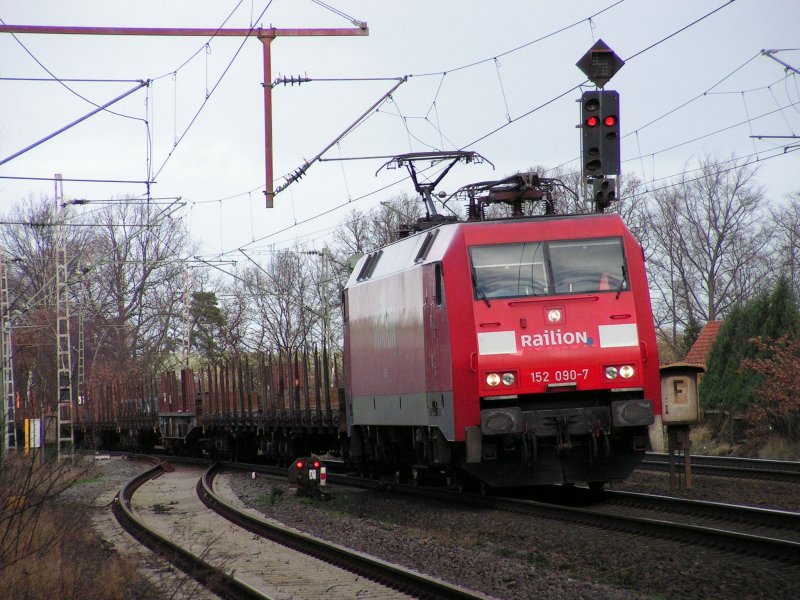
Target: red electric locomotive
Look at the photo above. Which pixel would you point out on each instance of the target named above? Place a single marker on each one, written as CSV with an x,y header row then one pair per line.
x,y
514,352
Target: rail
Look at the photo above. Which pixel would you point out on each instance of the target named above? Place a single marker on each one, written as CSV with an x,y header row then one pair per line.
x,y
213,578
404,580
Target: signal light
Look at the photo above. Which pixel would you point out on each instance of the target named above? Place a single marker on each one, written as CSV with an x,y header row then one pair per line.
x,y
299,464
600,145
316,464
604,192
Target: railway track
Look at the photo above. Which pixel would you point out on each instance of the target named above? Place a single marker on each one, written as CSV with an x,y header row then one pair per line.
x,y
773,534
213,577
725,535
291,560
392,576
764,531
731,466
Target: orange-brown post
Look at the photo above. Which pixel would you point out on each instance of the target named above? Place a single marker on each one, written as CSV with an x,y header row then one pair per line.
x,y
269,192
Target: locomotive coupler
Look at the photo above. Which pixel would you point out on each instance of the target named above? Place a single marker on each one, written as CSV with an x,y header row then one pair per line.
x,y
530,448
599,444
563,440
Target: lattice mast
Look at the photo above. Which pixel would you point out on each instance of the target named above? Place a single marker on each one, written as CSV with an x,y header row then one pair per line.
x,y
8,415
64,411
81,358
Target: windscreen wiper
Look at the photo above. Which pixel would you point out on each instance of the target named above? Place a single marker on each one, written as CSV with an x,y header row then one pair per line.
x,y
478,290
622,282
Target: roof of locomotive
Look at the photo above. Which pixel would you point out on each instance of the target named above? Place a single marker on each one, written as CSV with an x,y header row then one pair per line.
x,y
406,252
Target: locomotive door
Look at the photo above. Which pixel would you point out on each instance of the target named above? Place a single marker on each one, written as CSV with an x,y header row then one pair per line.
x,y
437,351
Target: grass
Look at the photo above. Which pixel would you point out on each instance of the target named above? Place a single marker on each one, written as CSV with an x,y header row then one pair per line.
x,y
86,480
779,448
48,548
275,495
775,448
162,509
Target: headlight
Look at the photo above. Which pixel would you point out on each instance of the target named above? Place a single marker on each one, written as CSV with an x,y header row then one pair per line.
x,y
508,379
611,372
493,379
626,371
554,315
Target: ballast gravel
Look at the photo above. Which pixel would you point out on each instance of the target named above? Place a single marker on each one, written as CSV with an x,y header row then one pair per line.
x,y
501,555
518,557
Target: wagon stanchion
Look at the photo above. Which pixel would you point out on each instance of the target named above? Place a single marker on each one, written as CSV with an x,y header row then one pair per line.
x,y
318,379
307,401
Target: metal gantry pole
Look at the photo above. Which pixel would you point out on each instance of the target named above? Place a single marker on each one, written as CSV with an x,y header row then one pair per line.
x,y
8,415
266,36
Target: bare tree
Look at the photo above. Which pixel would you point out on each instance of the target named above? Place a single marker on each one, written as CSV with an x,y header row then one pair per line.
x,y
361,233
235,307
133,284
707,242
284,299
29,240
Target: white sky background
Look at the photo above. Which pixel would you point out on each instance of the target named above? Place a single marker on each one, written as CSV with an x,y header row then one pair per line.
x,y
218,167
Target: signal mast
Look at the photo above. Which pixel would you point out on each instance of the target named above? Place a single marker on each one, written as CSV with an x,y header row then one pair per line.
x,y
600,152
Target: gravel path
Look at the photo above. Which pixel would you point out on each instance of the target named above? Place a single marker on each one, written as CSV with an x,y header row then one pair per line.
x,y
513,557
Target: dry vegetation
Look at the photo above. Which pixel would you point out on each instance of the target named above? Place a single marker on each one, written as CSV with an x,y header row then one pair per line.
x,y
770,447
48,548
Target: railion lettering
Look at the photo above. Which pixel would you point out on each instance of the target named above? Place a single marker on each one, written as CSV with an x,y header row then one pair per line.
x,y
555,337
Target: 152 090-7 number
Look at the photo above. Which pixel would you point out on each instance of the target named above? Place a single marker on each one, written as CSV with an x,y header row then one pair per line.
x,y
559,375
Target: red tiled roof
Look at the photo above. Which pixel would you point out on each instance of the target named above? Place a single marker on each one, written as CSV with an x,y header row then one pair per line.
x,y
698,352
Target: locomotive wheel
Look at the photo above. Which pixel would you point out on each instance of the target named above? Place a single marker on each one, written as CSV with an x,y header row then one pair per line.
x,y
402,475
465,483
367,470
417,476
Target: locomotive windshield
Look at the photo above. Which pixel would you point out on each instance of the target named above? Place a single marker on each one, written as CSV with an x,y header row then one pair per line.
x,y
543,268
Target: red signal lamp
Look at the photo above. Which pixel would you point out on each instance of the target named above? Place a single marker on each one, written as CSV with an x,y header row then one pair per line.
x,y
610,121
299,464
593,121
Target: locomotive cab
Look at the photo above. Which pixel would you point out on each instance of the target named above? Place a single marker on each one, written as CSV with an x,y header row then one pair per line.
x,y
562,362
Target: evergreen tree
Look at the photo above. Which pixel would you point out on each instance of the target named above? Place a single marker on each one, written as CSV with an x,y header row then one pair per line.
x,y
688,337
770,315
207,321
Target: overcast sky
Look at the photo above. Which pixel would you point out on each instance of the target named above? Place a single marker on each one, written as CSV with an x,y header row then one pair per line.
x,y
490,76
